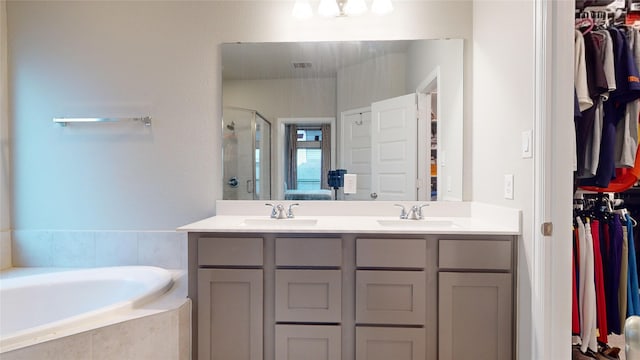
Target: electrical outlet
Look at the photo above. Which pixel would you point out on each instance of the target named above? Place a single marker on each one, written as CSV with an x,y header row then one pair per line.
x,y
508,186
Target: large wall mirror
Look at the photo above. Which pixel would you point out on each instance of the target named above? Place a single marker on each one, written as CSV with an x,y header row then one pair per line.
x,y
389,113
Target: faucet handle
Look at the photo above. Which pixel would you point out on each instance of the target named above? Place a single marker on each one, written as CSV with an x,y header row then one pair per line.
x,y
290,211
419,212
403,212
274,213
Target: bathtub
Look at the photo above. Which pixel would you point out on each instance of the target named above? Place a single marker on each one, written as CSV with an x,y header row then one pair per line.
x,y
39,307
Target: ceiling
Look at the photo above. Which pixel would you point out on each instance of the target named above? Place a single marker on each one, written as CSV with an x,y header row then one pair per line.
x,y
243,61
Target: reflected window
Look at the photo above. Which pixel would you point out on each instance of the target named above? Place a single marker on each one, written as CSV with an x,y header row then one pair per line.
x,y
309,158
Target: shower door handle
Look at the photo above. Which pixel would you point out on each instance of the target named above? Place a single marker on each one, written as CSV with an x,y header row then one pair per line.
x,y
250,186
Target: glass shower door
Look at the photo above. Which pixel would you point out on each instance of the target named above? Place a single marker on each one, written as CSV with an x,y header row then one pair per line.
x,y
246,155
262,159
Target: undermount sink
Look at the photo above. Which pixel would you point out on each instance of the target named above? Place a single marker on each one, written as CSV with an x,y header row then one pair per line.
x,y
279,222
401,223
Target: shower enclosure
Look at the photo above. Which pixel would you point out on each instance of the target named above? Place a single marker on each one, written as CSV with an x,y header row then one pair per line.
x,y
246,155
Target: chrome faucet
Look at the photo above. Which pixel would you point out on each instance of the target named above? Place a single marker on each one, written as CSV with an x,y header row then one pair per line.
x,y
414,213
277,211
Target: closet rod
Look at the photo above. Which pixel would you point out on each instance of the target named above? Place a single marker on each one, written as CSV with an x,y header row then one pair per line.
x,y
146,120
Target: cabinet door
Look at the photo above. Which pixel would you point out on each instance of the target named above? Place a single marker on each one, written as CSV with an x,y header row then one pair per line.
x,y
306,342
475,316
390,343
230,314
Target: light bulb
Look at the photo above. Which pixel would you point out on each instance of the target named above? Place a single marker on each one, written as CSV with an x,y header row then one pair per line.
x,y
328,8
355,7
381,7
302,9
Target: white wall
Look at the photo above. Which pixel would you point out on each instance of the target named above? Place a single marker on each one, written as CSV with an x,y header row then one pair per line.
x,y
373,80
280,98
503,107
5,180
161,59
447,56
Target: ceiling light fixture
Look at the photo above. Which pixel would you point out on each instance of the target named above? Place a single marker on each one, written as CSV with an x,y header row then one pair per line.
x,y
332,8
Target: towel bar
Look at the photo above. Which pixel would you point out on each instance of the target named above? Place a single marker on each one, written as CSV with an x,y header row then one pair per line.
x,y
64,121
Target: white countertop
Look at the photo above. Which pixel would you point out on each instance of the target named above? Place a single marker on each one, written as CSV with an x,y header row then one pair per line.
x,y
316,217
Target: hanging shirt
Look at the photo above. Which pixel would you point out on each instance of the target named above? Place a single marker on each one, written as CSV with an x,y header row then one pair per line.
x,y
627,127
577,115
612,280
588,306
592,150
607,61
601,305
627,78
592,156
580,73
627,89
597,86
575,315
633,298
622,287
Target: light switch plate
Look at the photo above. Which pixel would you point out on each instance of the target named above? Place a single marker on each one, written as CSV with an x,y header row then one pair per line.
x,y
350,183
508,186
527,144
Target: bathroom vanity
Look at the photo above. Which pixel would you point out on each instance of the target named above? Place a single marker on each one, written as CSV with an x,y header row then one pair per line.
x,y
330,285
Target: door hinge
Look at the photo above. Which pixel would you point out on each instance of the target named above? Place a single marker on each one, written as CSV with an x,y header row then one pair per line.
x,y
547,229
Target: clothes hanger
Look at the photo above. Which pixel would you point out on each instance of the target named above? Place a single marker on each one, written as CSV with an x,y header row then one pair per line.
x,y
585,22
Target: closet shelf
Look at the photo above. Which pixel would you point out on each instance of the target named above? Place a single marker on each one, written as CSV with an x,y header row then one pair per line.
x,y
146,120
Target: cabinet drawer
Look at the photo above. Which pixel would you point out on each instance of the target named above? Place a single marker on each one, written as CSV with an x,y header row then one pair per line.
x,y
391,253
390,297
309,252
230,251
304,342
474,254
308,296
390,343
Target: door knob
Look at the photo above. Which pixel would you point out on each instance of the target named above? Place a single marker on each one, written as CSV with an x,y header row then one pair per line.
x,y
374,195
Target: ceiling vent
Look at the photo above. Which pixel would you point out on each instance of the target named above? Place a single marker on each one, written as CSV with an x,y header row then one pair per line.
x,y
302,64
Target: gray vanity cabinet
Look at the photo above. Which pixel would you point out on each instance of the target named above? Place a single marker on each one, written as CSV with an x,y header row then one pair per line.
x,y
230,298
230,302
390,298
475,297
308,298
352,296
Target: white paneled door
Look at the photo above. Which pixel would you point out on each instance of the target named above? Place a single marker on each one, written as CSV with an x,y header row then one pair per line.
x,y
394,141
356,149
